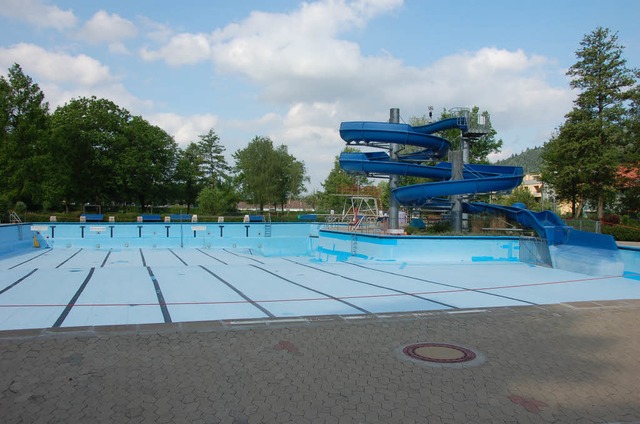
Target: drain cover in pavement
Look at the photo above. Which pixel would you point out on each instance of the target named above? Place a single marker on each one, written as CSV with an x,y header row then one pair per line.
x,y
439,352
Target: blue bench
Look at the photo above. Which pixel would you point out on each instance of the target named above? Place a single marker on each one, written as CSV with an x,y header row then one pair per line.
x,y
180,218
308,217
151,218
92,216
256,218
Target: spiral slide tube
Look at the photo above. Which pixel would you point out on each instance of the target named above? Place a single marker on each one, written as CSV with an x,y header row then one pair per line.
x,y
477,178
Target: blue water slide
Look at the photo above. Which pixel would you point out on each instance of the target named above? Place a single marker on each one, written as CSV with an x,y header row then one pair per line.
x,y
477,178
569,249
381,132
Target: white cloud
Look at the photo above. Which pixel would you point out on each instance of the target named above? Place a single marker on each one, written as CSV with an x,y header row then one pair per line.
x,y
266,45
111,29
182,49
184,129
62,76
56,67
155,31
38,13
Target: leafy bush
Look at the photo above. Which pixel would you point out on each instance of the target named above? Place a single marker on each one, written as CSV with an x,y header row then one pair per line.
x,y
439,227
621,232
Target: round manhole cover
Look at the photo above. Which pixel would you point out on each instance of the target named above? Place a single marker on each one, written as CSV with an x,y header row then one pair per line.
x,y
439,353
442,354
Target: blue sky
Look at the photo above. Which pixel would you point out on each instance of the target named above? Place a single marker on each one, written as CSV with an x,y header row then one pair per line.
x,y
294,70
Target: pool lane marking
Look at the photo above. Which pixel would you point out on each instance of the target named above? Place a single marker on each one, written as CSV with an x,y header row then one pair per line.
x,y
309,299
69,258
240,293
401,292
30,259
461,288
244,257
211,256
176,255
144,262
105,259
73,300
341,300
163,304
17,281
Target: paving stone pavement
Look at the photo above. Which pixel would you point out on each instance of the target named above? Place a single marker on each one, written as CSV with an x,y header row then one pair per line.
x,y
575,363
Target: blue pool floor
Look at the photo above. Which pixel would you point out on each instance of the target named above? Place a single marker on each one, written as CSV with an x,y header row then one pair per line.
x,y
69,287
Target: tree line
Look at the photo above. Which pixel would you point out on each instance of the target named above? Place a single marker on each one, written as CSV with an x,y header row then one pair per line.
x,y
92,151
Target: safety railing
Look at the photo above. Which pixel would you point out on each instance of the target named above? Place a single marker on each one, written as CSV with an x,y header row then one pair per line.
x,y
535,251
365,225
14,218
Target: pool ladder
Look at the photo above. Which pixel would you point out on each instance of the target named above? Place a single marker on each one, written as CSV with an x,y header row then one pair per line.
x,y
267,227
354,244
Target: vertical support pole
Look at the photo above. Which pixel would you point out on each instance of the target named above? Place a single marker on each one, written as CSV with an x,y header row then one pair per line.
x,y
466,150
394,207
456,174
466,155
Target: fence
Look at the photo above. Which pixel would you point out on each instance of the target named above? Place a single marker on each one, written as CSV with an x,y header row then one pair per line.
x,y
585,225
535,251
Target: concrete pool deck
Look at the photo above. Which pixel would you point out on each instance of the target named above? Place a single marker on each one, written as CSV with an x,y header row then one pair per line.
x,y
568,363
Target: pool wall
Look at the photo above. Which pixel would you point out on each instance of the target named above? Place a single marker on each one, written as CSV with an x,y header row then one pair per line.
x,y
14,238
266,239
631,258
341,246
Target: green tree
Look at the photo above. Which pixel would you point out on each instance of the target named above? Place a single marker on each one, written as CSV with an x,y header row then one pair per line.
x,y
520,195
88,137
23,134
256,168
582,161
188,177
479,149
146,163
290,178
338,182
628,183
268,175
214,165
217,200
100,153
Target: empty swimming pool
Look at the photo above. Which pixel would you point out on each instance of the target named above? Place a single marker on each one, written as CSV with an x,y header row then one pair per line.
x,y
111,274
